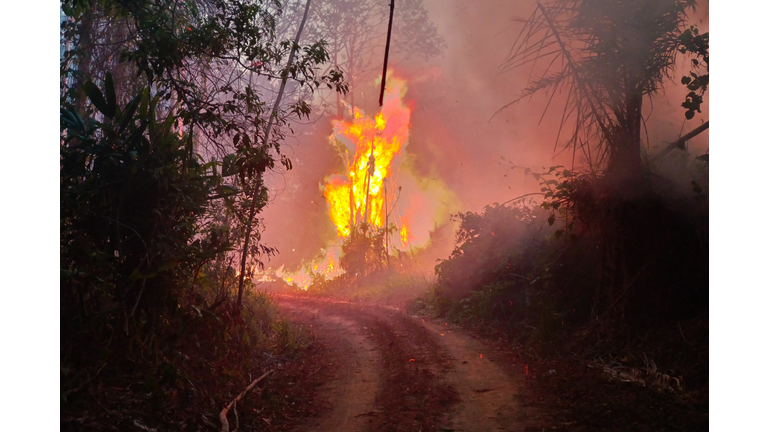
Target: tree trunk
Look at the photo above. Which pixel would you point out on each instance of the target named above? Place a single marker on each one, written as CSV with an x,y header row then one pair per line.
x,y
259,175
626,164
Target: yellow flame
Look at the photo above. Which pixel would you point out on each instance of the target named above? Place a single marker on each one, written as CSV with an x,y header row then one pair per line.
x,y
370,147
326,266
376,142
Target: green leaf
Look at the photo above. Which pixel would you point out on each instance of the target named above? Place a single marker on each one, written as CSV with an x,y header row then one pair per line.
x,y
138,274
97,99
165,129
551,219
229,166
167,265
224,191
127,115
109,93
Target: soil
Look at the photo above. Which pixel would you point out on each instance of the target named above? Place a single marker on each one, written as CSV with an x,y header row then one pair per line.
x,y
388,371
378,368
351,388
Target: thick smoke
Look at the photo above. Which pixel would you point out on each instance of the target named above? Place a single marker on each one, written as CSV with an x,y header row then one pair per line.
x,y
460,135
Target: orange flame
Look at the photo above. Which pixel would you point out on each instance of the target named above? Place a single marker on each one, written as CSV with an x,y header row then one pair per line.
x,y
371,148
359,195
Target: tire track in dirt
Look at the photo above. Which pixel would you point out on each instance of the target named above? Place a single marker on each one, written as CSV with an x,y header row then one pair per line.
x,y
353,389
489,396
404,373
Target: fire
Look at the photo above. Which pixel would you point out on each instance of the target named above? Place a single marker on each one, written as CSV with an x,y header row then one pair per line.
x,y
376,187
359,195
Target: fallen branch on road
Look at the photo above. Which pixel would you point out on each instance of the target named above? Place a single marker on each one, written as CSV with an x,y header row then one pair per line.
x,y
223,415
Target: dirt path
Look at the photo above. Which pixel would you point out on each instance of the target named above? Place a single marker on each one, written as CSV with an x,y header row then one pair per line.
x,y
401,373
488,395
353,388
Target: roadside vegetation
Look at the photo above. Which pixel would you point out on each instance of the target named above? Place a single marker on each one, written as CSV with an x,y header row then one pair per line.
x,y
604,273
168,123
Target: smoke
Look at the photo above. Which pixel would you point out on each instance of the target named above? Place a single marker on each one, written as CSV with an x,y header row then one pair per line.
x,y
459,132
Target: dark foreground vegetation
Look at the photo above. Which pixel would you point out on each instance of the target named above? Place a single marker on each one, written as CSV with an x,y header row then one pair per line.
x,y
166,133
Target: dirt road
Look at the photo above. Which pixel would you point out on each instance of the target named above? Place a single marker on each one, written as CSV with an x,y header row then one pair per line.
x,y
396,372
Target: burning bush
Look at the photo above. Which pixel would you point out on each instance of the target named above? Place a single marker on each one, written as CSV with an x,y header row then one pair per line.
x,y
364,251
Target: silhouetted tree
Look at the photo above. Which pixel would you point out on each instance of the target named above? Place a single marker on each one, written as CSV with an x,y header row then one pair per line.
x,y
607,56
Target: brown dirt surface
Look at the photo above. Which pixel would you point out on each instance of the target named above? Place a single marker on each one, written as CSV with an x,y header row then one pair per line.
x,y
490,395
352,380
567,395
395,372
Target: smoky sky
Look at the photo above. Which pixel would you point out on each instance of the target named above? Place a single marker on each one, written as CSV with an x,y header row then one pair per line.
x,y
459,133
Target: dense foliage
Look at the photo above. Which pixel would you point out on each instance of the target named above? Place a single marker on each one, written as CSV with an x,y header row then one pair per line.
x,y
163,118
550,274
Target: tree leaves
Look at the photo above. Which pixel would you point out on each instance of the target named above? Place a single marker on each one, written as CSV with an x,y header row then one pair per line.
x,y
111,97
691,42
105,102
551,219
96,97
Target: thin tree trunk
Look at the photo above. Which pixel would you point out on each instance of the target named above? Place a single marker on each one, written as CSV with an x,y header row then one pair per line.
x,y
625,162
260,174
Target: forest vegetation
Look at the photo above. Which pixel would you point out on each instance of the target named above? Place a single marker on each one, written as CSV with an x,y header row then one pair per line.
x,y
172,113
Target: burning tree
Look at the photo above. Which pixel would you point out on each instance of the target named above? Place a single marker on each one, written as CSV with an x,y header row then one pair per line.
x,y
376,189
364,250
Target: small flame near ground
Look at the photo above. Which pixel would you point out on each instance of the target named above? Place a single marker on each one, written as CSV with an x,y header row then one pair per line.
x,y
378,186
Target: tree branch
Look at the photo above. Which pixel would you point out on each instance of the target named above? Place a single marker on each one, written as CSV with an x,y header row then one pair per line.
x,y
680,143
223,414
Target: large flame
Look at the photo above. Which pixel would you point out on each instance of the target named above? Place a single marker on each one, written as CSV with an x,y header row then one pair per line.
x,y
358,196
375,188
